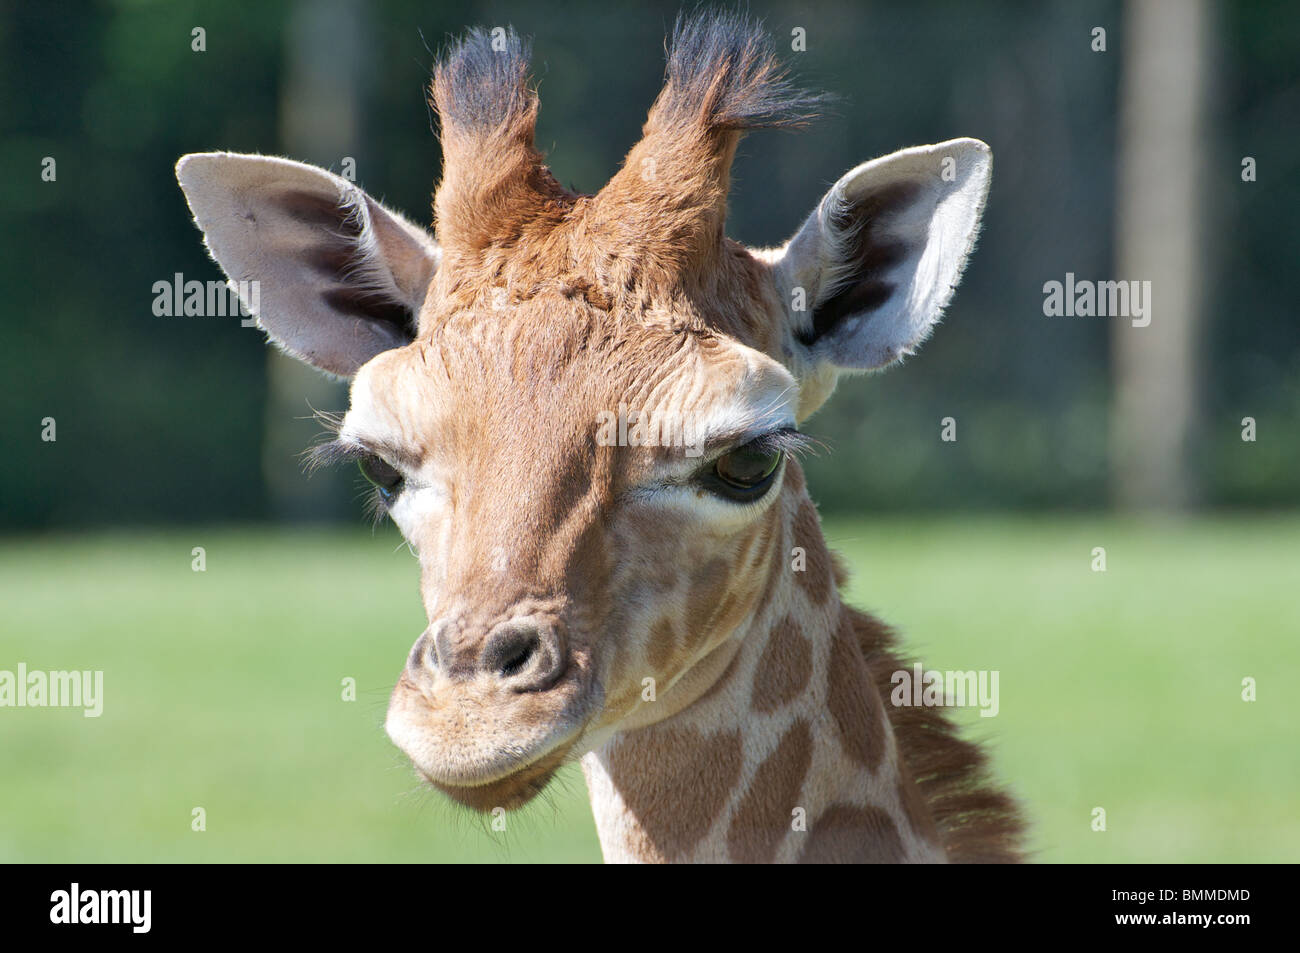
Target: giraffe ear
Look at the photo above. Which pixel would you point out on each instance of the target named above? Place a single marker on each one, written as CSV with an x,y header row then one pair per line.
x,y
339,278
868,275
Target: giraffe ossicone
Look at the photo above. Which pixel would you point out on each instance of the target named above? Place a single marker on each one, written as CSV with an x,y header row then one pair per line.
x,y
667,611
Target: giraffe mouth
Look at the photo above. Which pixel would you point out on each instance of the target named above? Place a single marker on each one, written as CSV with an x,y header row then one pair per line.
x,y
485,749
510,792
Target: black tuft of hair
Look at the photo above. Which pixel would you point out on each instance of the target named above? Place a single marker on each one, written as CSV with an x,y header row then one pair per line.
x,y
481,79
723,69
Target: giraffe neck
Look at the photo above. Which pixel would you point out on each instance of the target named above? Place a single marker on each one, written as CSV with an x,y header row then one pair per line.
x,y
777,746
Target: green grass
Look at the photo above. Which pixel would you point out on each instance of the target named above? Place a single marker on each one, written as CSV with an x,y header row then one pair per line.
x,y
1119,690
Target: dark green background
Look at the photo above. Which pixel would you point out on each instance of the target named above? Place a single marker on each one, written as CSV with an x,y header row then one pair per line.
x,y
162,419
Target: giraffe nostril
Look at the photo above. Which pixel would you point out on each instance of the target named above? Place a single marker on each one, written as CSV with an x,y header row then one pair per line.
x,y
424,654
509,650
525,655
519,659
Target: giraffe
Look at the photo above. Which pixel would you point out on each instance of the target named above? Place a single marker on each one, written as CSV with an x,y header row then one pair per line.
x,y
655,601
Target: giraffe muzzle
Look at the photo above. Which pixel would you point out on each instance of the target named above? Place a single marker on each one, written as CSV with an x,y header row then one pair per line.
x,y
487,717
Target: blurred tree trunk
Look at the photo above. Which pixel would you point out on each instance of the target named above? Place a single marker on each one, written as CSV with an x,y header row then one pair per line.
x,y
1160,228
319,123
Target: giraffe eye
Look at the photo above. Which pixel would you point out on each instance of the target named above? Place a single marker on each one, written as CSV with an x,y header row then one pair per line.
x,y
385,477
746,473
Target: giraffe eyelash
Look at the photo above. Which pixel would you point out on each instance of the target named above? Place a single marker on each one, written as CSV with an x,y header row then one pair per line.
x,y
374,505
787,440
330,420
346,450
331,453
337,451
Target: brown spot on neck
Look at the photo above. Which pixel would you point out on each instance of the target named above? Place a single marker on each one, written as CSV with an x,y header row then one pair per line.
x,y
675,783
848,834
784,667
854,703
817,577
764,816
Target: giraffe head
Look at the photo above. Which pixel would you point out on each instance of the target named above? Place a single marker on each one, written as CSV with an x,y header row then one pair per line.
x,y
579,409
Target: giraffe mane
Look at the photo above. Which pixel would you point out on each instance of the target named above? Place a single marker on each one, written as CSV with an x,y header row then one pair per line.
x,y
977,821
